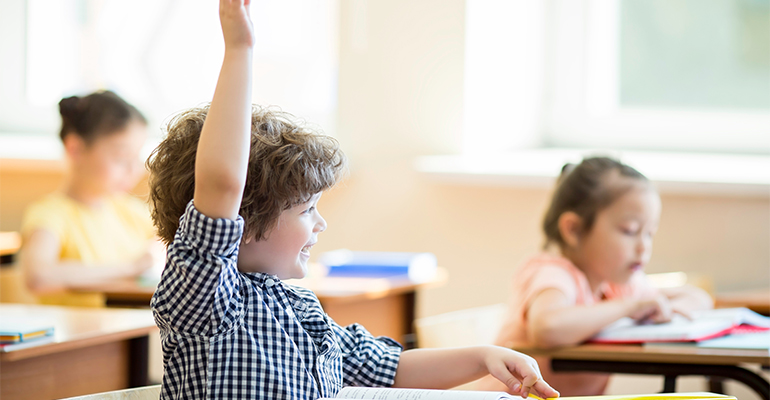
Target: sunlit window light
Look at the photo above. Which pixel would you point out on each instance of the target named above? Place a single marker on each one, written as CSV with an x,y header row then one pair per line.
x,y
164,56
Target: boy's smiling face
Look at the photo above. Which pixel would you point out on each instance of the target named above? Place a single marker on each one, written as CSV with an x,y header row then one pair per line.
x,y
286,250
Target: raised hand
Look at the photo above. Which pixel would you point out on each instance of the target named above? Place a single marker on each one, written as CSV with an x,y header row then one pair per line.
x,y
236,23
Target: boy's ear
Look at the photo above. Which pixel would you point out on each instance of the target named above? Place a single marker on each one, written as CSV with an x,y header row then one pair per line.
x,y
570,228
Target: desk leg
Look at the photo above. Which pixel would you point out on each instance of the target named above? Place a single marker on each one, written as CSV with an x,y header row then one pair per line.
x,y
749,378
669,384
139,362
716,385
409,338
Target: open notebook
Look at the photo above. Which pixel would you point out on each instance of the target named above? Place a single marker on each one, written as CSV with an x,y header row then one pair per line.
x,y
706,324
365,393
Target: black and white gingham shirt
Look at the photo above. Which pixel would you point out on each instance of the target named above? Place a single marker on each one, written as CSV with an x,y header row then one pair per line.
x,y
233,335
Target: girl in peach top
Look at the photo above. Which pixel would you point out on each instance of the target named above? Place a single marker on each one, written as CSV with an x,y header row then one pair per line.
x,y
601,220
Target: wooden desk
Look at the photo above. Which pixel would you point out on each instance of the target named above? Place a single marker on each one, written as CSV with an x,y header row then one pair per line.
x,y
94,350
124,293
670,362
757,300
385,306
10,243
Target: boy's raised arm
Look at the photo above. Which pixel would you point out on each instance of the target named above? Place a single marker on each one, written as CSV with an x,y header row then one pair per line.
x,y
223,149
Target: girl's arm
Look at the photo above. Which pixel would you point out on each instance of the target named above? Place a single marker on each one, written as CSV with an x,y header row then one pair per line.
x,y
223,149
554,321
46,272
447,368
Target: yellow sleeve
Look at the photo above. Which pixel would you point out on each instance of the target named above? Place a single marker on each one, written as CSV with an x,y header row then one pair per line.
x,y
48,214
140,215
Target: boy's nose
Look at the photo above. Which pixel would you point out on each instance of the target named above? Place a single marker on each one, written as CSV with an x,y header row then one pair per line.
x,y
320,226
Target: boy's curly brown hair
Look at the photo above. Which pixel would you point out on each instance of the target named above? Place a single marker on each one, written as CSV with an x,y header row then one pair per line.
x,y
289,162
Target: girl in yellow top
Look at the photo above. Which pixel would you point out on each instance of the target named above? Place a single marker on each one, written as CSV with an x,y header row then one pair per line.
x,y
92,230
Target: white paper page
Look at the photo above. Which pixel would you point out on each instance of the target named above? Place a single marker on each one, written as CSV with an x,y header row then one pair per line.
x,y
418,394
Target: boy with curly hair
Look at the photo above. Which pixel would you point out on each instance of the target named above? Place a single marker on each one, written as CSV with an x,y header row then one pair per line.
x,y
235,189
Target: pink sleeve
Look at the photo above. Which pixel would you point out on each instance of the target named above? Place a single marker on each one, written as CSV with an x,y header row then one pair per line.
x,y
529,282
550,277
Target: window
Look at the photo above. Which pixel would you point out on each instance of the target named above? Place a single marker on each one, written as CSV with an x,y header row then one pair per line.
x,y
661,75
685,75
163,56
679,89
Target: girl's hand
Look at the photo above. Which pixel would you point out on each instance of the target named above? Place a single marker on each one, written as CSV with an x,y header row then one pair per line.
x,y
655,309
683,311
236,23
519,372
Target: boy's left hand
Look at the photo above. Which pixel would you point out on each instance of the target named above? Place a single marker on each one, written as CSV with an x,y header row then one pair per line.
x,y
519,372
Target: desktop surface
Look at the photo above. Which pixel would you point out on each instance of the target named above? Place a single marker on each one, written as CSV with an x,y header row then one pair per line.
x,y
93,350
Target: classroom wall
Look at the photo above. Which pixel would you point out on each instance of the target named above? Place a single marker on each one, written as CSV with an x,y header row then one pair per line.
x,y
20,187
400,96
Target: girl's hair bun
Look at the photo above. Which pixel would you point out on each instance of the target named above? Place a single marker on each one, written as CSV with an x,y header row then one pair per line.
x,y
68,108
99,113
565,170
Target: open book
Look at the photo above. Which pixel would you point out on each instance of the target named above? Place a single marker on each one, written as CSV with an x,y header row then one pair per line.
x,y
705,324
365,393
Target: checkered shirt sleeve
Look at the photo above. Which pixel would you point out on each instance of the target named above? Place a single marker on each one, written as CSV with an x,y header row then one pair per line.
x,y
198,298
366,360
199,292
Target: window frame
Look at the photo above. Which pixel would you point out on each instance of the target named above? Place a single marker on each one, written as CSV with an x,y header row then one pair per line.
x,y
584,110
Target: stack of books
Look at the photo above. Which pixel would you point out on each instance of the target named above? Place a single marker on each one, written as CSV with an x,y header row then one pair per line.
x,y
418,267
18,333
